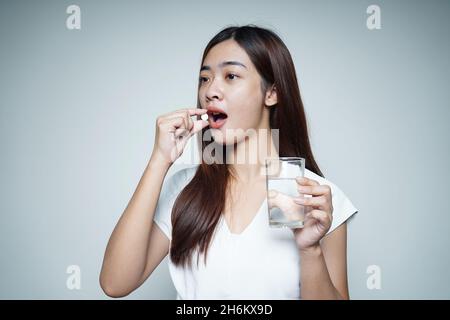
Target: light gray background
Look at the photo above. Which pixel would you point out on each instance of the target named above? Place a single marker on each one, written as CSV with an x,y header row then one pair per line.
x,y
78,111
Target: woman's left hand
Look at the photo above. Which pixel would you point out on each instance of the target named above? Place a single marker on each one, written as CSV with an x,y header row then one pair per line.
x,y
318,213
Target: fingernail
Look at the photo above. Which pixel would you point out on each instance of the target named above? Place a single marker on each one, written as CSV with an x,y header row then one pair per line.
x,y
301,200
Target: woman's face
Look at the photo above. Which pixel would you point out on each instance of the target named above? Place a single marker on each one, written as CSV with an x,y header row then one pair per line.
x,y
230,82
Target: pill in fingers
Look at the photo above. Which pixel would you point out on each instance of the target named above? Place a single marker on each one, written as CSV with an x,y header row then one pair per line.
x,y
204,117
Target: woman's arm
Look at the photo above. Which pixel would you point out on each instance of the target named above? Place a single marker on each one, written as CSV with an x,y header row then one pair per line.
x,y
324,267
323,256
136,246
125,265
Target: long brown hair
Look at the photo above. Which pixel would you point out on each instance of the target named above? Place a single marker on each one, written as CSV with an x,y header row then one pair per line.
x,y
194,215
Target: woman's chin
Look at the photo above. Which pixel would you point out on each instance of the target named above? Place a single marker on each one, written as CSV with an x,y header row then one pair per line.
x,y
223,141
228,140
230,136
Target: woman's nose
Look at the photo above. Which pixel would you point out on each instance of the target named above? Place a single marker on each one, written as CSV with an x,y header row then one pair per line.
x,y
214,91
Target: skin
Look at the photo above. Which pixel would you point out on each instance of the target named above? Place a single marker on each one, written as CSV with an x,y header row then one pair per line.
x,y
323,257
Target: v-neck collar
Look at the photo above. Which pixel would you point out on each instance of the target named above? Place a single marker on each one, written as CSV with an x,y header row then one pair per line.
x,y
224,221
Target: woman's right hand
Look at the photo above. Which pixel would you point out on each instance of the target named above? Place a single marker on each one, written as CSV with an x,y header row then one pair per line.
x,y
173,130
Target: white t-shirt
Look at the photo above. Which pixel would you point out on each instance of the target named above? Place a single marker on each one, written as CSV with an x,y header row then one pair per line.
x,y
260,263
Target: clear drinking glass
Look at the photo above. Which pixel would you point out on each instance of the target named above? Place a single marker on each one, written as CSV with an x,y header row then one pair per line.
x,y
281,189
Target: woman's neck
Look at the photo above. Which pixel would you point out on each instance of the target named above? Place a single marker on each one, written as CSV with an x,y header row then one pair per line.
x,y
247,158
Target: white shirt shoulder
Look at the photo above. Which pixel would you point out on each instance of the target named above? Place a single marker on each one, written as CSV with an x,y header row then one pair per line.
x,y
343,208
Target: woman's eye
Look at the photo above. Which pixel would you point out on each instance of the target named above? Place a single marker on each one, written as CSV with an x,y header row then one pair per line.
x,y
231,76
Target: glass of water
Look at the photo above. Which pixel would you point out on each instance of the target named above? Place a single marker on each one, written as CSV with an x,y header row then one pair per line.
x,y
281,189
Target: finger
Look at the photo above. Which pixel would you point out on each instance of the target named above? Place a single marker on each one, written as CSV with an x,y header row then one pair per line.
x,y
174,123
189,120
194,111
180,133
278,199
320,202
314,190
306,181
321,216
190,123
308,214
198,125
178,114
197,111
272,199
188,113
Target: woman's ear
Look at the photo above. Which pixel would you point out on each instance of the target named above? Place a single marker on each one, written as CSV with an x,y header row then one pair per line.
x,y
271,96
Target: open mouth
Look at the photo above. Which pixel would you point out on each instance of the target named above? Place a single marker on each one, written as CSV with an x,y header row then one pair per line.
x,y
217,118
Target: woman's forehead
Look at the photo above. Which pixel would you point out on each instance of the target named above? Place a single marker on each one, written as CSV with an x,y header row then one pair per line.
x,y
227,53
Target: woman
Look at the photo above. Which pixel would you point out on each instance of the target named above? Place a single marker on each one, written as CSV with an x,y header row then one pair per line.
x,y
212,218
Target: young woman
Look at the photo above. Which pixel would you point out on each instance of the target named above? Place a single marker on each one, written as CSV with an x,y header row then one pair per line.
x,y
212,218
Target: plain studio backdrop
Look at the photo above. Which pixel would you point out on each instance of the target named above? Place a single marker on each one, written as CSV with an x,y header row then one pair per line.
x,y
78,110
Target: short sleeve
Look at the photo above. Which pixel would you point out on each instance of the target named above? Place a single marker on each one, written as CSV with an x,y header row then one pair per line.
x,y
343,208
172,186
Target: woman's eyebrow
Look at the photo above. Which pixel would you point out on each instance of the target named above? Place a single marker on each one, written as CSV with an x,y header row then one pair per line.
x,y
223,64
